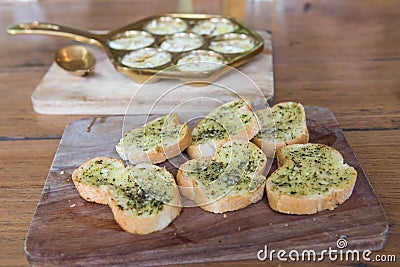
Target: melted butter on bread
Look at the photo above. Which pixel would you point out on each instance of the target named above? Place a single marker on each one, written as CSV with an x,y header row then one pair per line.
x,y
281,125
229,122
156,141
143,198
235,172
310,178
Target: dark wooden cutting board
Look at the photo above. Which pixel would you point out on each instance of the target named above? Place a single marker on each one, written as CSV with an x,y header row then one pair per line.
x,y
67,230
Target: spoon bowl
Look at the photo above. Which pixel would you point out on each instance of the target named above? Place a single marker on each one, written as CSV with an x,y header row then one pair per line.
x,y
75,59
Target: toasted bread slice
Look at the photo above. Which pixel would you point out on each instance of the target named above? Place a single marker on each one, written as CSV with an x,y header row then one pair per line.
x,y
143,199
310,178
230,180
229,122
156,141
283,124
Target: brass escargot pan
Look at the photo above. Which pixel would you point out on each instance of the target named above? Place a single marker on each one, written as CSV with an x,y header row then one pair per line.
x,y
153,37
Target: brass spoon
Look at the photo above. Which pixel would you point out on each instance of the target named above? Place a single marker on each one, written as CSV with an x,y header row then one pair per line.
x,y
75,59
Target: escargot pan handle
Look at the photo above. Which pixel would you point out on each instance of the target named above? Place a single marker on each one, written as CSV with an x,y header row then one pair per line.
x,y
56,30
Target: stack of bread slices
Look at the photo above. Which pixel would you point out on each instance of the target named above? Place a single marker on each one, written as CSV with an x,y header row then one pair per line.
x,y
228,150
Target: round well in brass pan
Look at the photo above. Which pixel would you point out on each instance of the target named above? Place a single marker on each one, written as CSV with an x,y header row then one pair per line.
x,y
232,43
165,25
146,58
131,40
214,27
200,61
181,42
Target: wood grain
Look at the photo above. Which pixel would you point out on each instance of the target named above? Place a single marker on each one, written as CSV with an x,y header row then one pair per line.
x,y
379,108
63,220
320,31
22,180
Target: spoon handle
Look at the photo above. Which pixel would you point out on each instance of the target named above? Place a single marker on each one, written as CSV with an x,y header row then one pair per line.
x,y
56,30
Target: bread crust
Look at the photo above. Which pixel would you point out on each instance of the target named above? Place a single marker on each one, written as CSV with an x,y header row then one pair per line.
x,y
185,184
227,203
160,154
131,223
269,147
309,204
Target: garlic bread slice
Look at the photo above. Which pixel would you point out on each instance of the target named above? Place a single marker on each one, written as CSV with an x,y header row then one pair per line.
x,y
156,141
231,121
283,124
310,178
143,199
231,180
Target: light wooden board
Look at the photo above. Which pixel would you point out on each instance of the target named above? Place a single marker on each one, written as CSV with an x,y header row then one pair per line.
x,y
67,230
109,92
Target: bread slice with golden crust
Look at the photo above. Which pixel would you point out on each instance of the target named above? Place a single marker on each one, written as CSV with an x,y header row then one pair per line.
x,y
283,124
228,122
229,181
310,178
156,141
143,199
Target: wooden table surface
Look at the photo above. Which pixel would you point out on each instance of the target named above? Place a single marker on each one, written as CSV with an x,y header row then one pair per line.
x,y
343,55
